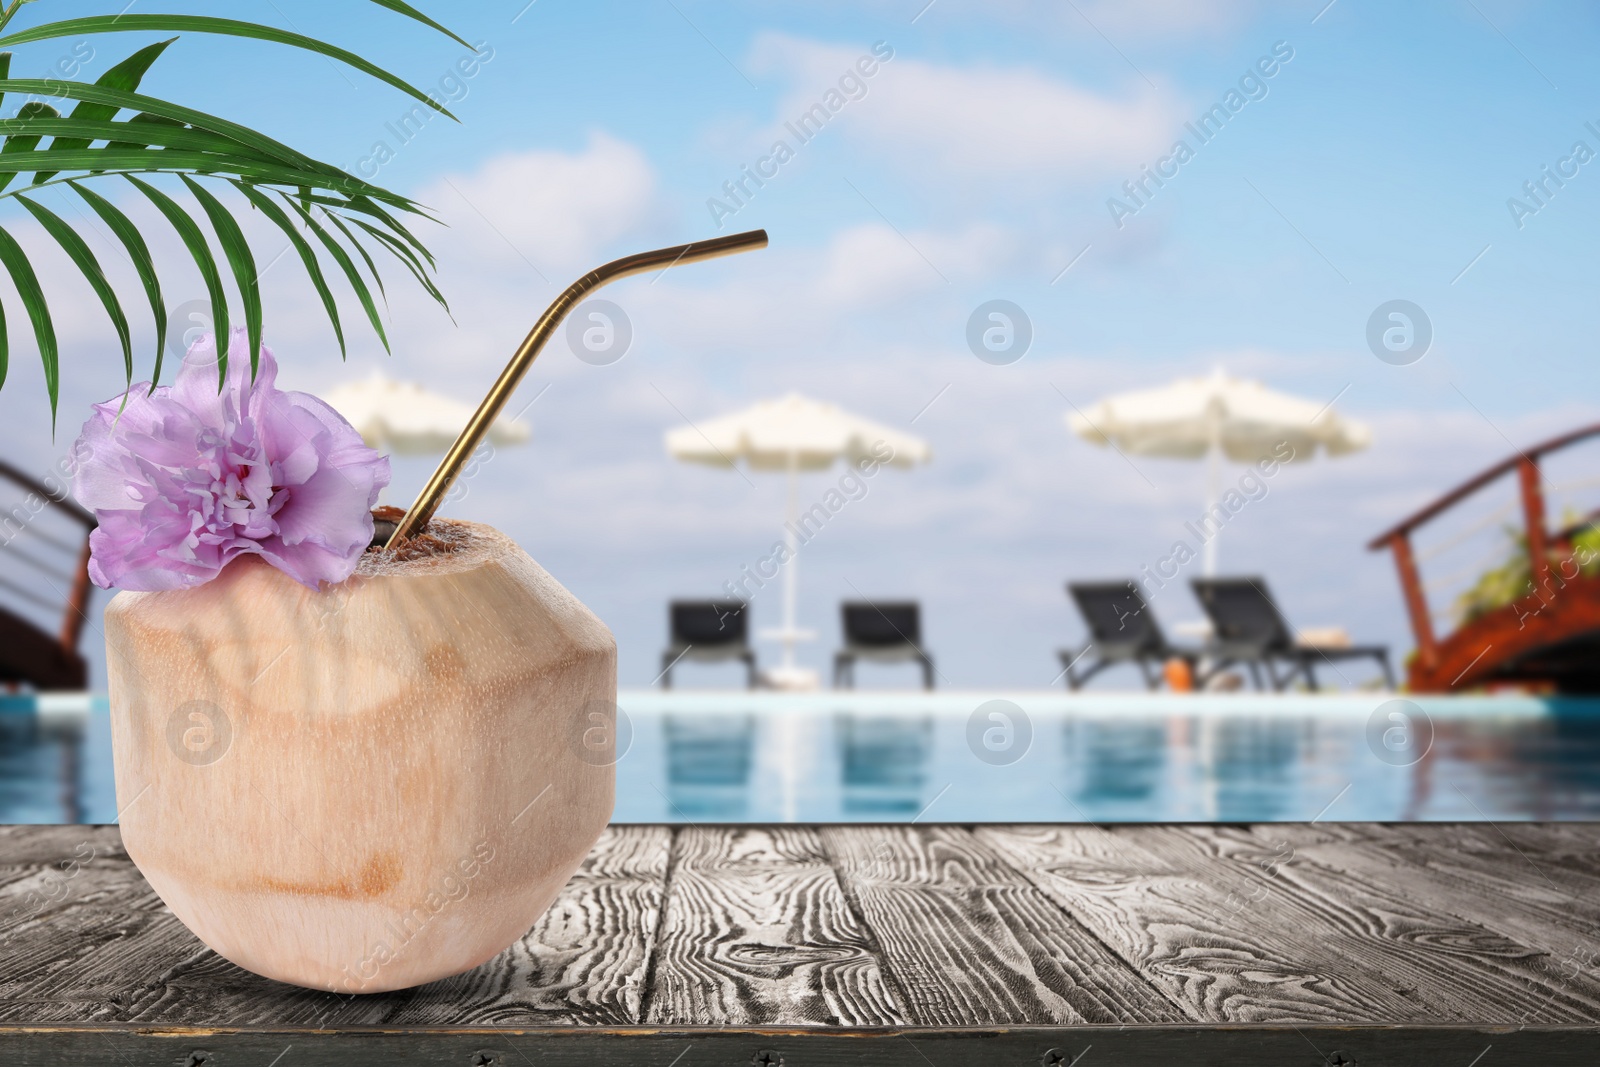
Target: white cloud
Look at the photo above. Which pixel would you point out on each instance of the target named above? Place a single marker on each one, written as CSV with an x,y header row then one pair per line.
x,y
983,121
555,209
1139,20
782,299
1129,22
865,275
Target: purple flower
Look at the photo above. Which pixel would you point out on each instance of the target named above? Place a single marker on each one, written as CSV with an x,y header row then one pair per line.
x,y
186,479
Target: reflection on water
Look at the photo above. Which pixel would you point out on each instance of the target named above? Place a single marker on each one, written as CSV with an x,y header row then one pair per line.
x,y
883,764
41,770
1250,764
1118,762
708,765
860,762
1570,748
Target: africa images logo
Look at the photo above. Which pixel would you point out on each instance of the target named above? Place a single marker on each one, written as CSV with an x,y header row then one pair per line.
x,y
199,733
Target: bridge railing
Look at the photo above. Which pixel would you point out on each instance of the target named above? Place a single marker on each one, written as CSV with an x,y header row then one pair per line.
x,y
1398,538
47,563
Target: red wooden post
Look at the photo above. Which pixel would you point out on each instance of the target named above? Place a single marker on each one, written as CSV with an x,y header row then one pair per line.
x,y
1533,518
1416,603
77,603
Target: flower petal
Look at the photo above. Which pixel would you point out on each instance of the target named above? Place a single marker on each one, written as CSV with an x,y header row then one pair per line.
x,y
187,478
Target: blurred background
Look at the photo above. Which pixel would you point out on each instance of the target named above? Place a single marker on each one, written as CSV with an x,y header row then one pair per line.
x,y
1337,158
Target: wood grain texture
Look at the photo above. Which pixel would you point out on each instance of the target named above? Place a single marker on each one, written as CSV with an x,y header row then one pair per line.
x,y
1536,897
969,941
1453,969
109,951
85,939
584,963
1545,901
1239,944
757,931
1254,939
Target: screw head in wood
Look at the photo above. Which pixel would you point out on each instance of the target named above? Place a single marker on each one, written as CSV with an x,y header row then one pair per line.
x,y
767,1058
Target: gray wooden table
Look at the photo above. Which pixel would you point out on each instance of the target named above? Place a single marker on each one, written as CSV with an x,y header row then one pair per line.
x,y
1449,945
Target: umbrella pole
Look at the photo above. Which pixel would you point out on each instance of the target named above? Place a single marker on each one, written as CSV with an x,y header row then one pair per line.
x,y
1213,496
791,568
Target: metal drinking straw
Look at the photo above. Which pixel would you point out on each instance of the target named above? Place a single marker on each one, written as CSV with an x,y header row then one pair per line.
x,y
433,493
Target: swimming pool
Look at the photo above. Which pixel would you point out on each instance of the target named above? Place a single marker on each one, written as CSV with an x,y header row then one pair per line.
x,y
1006,757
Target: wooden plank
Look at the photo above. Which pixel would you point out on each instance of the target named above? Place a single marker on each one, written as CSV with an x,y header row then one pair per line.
x,y
1535,891
1282,943
109,950
970,942
1551,868
1133,1046
1457,969
757,932
1229,947
1565,854
83,936
1525,894
585,961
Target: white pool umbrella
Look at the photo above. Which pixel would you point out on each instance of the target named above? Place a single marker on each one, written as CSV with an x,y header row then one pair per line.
x,y
793,434
408,420
1215,417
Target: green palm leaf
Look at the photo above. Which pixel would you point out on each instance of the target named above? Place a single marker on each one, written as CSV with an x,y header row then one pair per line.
x,y
44,331
139,252
70,133
308,258
162,137
195,242
167,161
407,257
130,101
237,249
126,76
23,142
411,12
360,250
358,203
341,257
5,347
365,205
220,27
84,258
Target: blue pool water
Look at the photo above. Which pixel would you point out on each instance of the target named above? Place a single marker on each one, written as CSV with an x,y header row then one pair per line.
x,y
889,757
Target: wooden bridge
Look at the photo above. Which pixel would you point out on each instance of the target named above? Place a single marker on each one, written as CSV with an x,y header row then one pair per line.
x,y
30,654
1549,635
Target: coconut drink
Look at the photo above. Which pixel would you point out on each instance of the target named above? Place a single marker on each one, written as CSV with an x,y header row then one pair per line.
x,y
367,787
353,753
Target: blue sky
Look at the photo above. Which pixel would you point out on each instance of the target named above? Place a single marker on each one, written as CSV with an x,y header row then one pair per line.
x,y
977,165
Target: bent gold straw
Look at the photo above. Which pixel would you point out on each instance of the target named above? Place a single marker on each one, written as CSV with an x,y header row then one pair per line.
x,y
433,493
